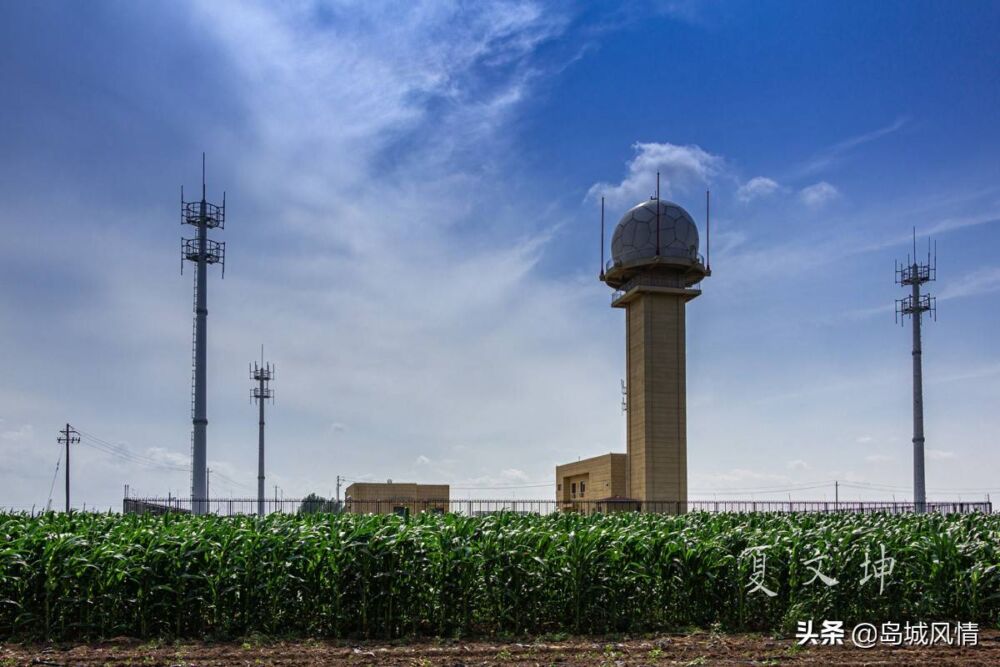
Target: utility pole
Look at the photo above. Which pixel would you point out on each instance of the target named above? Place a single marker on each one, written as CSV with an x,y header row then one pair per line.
x,y
70,436
208,479
836,495
262,375
203,251
913,275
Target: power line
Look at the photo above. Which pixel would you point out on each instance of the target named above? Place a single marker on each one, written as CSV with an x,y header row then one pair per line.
x,y
52,488
887,487
230,480
130,456
735,492
769,489
123,453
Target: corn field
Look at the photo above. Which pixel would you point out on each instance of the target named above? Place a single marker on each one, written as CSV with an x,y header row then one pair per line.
x,y
323,575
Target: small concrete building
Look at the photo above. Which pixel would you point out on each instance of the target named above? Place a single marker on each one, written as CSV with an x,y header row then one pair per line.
x,y
594,479
396,498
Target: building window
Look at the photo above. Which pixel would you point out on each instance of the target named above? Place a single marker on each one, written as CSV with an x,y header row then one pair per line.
x,y
583,487
573,487
558,487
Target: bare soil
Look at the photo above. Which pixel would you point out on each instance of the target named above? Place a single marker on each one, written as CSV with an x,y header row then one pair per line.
x,y
698,648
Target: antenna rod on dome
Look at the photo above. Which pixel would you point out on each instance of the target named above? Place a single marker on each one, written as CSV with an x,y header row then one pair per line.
x,y
657,214
708,231
602,238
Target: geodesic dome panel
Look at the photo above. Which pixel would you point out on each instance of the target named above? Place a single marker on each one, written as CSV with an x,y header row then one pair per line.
x,y
635,236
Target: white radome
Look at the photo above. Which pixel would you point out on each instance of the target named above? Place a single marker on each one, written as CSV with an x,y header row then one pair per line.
x,y
635,236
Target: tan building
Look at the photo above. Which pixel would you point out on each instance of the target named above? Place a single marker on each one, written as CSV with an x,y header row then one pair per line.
x,y
396,498
654,270
580,484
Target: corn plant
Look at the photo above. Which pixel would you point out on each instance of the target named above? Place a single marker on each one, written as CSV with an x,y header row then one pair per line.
x,y
328,575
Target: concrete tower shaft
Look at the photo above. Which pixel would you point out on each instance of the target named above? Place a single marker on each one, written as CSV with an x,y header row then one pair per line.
x,y
656,388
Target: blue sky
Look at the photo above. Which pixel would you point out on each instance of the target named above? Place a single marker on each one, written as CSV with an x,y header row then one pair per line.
x,y
413,208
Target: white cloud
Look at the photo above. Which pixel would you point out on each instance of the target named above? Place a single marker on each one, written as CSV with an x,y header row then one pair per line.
x,y
818,194
878,458
161,455
982,281
20,434
864,439
681,168
514,475
759,186
939,454
422,460
797,464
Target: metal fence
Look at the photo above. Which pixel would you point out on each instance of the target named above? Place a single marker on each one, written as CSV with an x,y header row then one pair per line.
x,y
406,506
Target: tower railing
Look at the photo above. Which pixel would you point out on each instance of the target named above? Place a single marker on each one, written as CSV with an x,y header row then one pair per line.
x,y
611,263
215,251
215,216
650,280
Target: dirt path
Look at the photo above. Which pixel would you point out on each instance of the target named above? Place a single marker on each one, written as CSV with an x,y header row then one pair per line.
x,y
691,649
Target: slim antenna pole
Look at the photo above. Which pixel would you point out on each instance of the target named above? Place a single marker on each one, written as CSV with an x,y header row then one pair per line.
x,y
203,252
708,232
657,214
602,238
262,375
914,305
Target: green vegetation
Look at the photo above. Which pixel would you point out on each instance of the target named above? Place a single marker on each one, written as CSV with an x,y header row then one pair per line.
x,y
316,504
325,575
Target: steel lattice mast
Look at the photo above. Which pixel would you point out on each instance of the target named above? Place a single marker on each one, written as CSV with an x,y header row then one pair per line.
x,y
202,251
914,274
262,375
